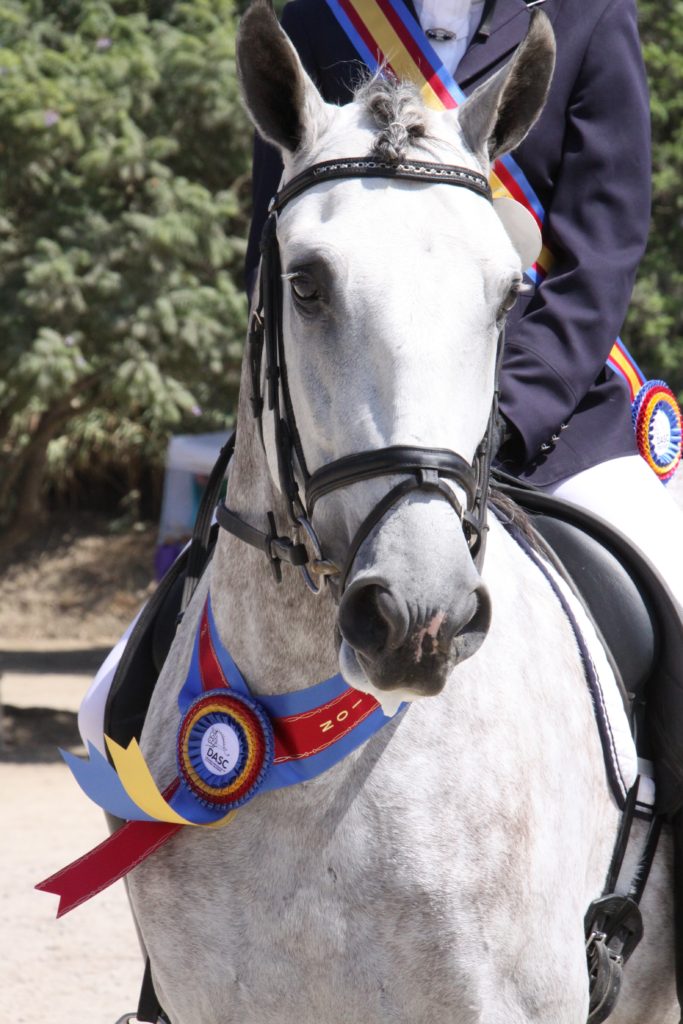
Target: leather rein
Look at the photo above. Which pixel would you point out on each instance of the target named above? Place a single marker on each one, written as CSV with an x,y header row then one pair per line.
x,y
426,470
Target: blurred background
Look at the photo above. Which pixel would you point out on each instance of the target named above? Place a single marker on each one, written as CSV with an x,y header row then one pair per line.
x,y
124,208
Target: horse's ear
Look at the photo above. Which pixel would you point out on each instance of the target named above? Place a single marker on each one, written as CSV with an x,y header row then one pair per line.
x,y
281,99
497,116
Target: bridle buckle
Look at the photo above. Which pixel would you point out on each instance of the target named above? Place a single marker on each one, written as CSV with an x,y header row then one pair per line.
x,y
320,567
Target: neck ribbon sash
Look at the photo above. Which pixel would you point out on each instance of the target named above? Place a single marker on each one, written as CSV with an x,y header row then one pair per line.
x,y
229,747
385,35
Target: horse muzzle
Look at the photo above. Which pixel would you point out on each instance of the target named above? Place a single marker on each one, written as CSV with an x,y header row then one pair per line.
x,y
393,646
405,622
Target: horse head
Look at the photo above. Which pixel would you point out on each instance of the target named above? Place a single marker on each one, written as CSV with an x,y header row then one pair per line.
x,y
393,294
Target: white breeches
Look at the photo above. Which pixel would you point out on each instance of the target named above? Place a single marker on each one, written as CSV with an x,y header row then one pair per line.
x,y
628,495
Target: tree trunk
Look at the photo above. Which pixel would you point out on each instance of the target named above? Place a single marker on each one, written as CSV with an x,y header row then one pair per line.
x,y
23,479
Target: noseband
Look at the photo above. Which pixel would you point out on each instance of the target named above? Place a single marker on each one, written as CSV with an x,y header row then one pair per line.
x,y
426,470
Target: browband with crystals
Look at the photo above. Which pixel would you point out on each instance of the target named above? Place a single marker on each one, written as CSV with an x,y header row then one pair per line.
x,y
367,167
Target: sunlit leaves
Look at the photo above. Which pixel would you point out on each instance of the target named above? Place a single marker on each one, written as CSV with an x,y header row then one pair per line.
x,y
123,162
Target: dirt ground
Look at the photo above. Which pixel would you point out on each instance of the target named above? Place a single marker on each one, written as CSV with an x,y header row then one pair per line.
x,y
74,586
63,602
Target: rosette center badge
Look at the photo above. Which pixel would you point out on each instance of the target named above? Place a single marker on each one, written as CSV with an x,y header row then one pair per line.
x,y
225,748
220,748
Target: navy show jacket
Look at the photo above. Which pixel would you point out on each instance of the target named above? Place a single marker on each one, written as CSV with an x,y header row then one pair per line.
x,y
588,159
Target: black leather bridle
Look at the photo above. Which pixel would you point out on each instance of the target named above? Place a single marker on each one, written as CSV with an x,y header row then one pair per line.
x,y
425,469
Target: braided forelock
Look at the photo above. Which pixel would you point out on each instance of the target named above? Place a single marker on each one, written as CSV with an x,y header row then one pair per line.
x,y
398,111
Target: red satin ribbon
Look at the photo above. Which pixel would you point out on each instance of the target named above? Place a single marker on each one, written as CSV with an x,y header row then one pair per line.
x,y
106,863
299,735
115,856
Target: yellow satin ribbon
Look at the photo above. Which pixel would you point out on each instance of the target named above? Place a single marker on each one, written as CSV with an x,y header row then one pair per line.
x,y
138,783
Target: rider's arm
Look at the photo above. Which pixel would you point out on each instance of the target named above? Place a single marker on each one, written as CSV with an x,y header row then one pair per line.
x,y
597,217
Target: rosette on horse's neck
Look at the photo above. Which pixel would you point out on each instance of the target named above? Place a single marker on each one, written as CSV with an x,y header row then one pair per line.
x,y
367,355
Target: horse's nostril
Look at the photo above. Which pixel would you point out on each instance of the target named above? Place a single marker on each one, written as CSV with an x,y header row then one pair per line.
x,y
371,620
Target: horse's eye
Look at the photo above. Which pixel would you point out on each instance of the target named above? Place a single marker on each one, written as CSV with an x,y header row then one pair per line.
x,y
510,299
304,287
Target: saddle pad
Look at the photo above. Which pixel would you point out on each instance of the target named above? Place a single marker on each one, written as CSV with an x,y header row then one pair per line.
x,y
619,748
621,761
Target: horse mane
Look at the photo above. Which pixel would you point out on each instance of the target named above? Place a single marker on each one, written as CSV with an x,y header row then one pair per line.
x,y
398,111
509,509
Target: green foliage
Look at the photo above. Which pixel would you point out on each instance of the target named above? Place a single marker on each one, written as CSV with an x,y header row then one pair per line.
x,y
124,157
654,329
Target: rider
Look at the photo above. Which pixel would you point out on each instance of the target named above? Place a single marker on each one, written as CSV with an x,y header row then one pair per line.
x,y
566,413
